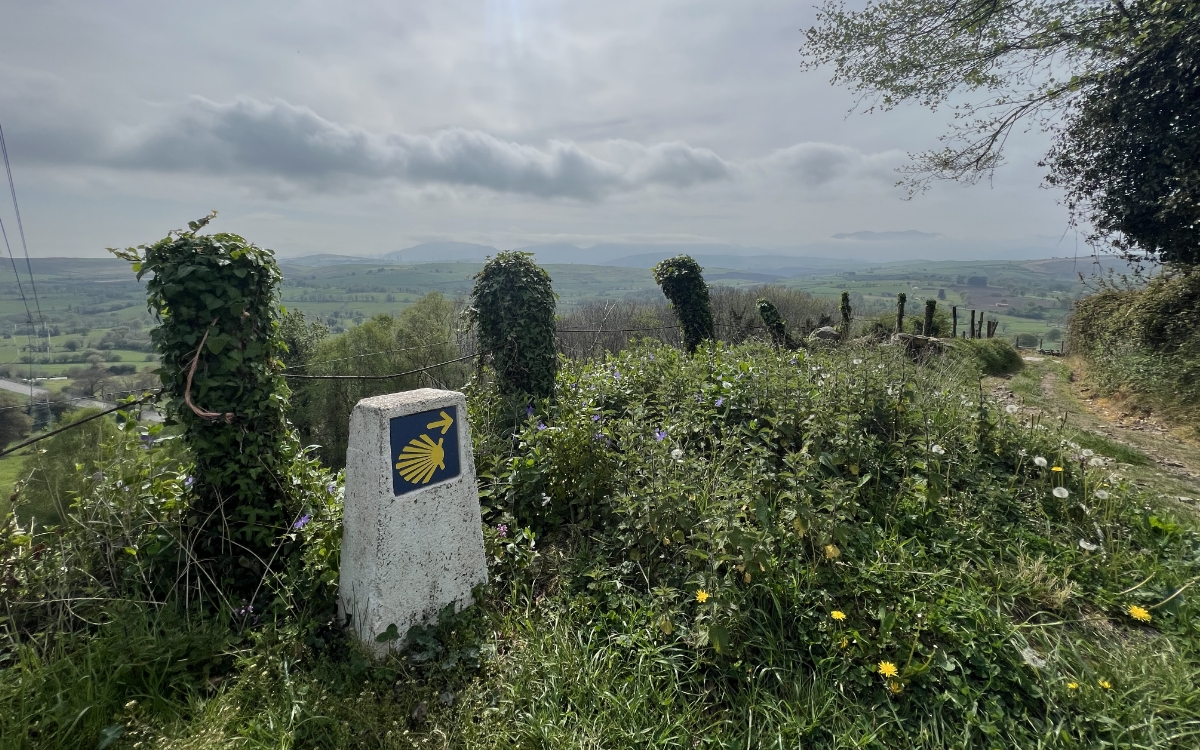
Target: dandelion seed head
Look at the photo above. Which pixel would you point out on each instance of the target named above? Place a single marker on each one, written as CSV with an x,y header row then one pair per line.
x,y
1061,492
1039,461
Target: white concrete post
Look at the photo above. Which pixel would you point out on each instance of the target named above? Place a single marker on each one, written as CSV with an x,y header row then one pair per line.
x,y
412,540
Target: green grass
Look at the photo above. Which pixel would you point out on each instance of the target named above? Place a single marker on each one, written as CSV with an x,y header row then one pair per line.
x,y
681,591
1111,448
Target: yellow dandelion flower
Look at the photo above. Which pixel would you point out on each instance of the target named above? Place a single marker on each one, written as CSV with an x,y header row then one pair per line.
x,y
845,643
1072,685
701,596
1104,684
895,686
1140,613
887,669
832,552
1056,468
838,614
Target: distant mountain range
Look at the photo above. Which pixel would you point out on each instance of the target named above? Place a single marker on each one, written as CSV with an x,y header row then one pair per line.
x,y
840,252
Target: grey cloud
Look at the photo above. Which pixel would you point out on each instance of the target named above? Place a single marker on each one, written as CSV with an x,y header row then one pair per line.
x,y
275,138
816,165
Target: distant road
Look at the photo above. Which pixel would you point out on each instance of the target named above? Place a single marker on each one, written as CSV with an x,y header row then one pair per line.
x,y
83,403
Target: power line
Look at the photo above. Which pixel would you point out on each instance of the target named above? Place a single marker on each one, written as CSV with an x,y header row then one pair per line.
x,y
52,433
370,354
12,189
615,330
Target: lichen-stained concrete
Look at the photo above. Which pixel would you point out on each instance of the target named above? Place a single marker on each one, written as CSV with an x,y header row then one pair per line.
x,y
412,537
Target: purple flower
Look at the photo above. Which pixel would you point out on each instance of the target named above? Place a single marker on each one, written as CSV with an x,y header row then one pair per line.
x,y
302,521
541,426
595,417
660,436
189,481
331,487
529,410
243,611
502,530
720,401
616,374
147,441
651,357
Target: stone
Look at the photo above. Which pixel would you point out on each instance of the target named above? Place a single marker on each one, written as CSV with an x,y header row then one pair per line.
x,y
826,333
412,536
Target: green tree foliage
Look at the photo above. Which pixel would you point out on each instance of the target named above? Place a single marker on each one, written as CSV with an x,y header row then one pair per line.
x,y
1129,157
512,305
1122,76
422,335
220,291
682,281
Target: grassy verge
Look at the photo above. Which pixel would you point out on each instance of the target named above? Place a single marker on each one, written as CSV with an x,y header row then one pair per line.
x,y
738,549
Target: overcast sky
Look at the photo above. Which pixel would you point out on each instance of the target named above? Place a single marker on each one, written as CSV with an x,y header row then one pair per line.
x,y
367,127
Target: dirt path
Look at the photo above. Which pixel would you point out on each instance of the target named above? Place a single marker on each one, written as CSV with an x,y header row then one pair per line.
x,y
1161,459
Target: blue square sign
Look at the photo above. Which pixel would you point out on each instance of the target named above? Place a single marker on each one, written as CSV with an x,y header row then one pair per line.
x,y
424,449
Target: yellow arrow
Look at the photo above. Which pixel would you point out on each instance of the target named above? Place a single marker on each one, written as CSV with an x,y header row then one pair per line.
x,y
444,423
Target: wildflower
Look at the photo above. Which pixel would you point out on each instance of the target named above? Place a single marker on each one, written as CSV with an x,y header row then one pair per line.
x,y
895,686
541,426
1061,492
1072,685
1101,494
302,521
187,481
595,417
1104,684
502,530
837,614
331,487
887,669
1139,613
677,454
845,642
720,401
857,361
660,435
1032,658
1039,461
1056,468
939,450
832,552
1096,461
1087,453
701,596
529,410
1012,408
616,374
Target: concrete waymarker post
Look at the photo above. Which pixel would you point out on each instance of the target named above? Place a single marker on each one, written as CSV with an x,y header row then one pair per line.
x,y
412,540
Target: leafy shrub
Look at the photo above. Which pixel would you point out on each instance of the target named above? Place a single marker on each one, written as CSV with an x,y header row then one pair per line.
x,y
682,281
512,305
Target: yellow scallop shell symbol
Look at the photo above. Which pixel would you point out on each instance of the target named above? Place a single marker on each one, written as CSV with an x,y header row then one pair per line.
x,y
420,458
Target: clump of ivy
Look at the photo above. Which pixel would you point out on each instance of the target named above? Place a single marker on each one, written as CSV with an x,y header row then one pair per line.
x,y
927,327
682,282
222,376
847,314
901,298
512,304
775,324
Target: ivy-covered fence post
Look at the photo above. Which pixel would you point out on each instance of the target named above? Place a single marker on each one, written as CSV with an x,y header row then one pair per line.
x,y
215,296
930,309
901,298
775,324
847,312
682,281
512,304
